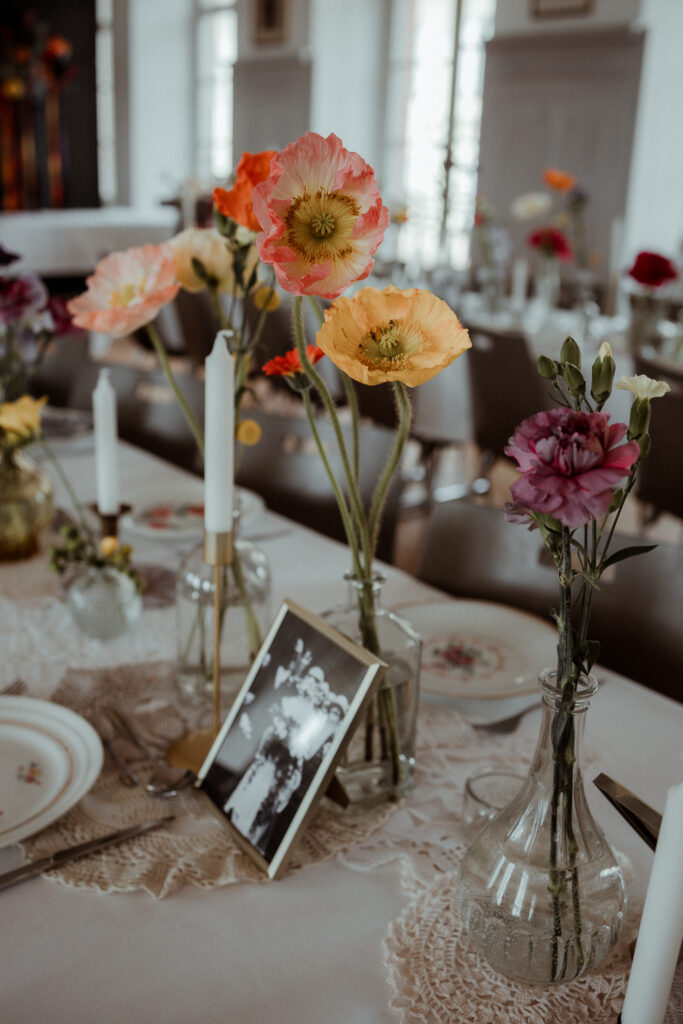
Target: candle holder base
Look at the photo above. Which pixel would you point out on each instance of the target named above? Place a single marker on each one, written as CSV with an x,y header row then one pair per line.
x,y
190,750
109,522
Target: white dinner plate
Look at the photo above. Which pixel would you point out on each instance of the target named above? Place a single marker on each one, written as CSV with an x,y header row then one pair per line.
x,y
49,759
480,650
184,521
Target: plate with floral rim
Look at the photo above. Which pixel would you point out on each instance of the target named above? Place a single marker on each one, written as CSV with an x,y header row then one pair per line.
x,y
49,759
480,650
184,521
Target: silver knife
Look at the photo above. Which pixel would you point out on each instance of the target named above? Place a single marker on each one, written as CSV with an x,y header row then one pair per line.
x,y
55,860
642,819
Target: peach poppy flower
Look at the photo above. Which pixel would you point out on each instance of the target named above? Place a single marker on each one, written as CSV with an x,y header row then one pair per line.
x,y
561,181
209,247
237,201
127,290
322,216
388,335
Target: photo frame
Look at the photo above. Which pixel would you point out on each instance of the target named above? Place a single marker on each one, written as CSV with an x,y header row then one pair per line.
x,y
278,748
270,22
560,8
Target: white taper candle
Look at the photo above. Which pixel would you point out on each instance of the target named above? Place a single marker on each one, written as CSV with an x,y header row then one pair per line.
x,y
106,458
219,440
661,926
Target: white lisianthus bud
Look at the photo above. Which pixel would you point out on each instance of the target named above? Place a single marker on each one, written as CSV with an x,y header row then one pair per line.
x,y
643,386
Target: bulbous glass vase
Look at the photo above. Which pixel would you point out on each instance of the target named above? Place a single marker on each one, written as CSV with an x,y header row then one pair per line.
x,y
540,893
26,504
245,617
379,762
104,602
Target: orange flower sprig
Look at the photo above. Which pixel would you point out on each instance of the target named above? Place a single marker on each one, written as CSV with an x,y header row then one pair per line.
x,y
560,181
237,203
289,365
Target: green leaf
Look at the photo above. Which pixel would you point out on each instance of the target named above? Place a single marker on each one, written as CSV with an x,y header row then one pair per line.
x,y
619,556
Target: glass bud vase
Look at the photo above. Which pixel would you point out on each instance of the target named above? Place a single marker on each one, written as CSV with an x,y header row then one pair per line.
x,y
379,762
547,284
26,504
104,602
245,617
540,893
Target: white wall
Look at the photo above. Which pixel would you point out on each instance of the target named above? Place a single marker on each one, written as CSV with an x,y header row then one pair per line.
x,y
160,111
514,17
654,208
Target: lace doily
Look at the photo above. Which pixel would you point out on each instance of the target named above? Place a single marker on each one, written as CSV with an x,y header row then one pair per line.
x,y
194,849
437,976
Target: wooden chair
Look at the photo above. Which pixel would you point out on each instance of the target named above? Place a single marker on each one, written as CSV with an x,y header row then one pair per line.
x,y
472,551
285,468
660,477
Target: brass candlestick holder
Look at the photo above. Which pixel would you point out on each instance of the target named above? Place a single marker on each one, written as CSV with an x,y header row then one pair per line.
x,y
190,750
109,522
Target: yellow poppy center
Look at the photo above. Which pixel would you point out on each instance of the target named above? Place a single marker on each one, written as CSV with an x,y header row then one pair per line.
x,y
320,227
390,347
122,297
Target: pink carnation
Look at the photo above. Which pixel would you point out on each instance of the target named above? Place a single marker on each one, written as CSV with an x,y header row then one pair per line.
x,y
322,216
570,462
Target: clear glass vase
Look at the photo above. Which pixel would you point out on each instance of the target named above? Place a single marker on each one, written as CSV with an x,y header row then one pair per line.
x,y
104,602
245,617
26,504
540,893
646,312
379,762
547,284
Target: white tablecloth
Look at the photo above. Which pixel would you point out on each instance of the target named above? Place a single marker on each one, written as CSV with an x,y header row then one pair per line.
x,y
309,948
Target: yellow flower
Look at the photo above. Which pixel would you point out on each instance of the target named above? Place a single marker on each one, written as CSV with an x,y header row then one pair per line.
x,y
248,432
207,246
21,418
392,335
266,298
643,386
108,546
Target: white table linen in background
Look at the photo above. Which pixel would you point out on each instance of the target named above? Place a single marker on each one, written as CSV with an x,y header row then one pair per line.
x,y
309,948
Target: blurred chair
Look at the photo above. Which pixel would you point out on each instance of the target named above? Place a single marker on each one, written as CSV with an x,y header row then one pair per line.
x,y
660,476
505,388
472,551
64,360
285,468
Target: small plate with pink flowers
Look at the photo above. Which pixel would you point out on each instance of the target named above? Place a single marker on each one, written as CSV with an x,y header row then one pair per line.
x,y
480,650
49,759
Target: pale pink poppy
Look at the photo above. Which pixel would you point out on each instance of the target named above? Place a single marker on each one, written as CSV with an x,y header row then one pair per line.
x,y
570,462
322,216
127,290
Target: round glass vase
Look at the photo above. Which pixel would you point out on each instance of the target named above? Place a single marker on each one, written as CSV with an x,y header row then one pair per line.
x,y
540,892
104,602
379,762
26,504
245,618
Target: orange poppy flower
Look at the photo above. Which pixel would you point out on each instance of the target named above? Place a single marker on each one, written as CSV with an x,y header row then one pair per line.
x,y
561,181
289,364
237,201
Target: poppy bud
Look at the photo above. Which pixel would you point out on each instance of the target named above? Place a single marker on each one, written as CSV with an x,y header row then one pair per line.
x,y
603,375
547,368
574,378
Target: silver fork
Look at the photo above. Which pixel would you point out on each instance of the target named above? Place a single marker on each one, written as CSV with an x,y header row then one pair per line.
x,y
14,689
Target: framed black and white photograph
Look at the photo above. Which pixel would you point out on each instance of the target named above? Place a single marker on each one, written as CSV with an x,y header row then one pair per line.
x,y
282,739
270,22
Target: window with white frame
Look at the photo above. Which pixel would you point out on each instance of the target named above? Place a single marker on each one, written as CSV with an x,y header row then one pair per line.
x,y
434,101
215,55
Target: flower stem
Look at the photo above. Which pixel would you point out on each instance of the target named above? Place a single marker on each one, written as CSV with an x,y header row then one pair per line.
x,y
379,497
168,373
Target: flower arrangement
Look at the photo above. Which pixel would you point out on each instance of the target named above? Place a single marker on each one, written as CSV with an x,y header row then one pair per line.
x,y
80,549
577,470
551,243
649,275
650,270
29,319
323,219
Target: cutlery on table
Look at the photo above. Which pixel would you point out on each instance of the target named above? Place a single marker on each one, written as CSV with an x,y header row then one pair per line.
x,y
55,860
643,819
164,780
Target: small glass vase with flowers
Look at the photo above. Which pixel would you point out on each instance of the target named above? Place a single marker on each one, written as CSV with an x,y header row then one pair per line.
x,y
541,892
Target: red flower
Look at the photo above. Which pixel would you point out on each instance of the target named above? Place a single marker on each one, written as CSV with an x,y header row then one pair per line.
x,y
569,462
237,201
552,242
652,270
290,364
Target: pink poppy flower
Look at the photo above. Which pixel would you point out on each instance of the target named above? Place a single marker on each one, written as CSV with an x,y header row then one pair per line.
x,y
127,290
322,216
570,461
